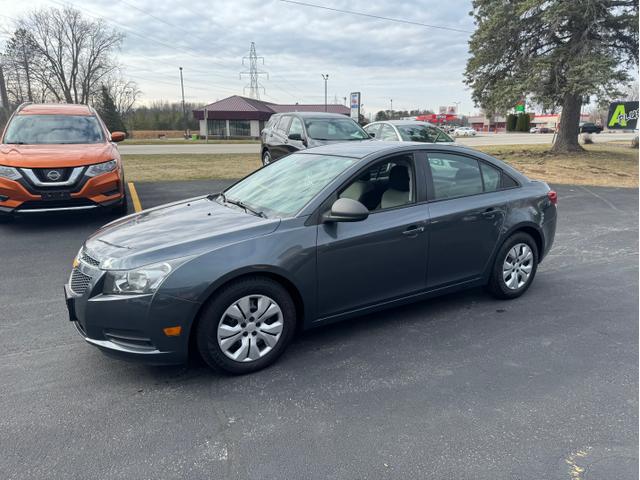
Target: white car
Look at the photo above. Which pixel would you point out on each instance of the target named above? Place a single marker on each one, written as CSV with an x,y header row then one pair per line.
x,y
464,132
407,131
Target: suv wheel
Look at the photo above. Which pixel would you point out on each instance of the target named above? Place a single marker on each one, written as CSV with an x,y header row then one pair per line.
x,y
515,267
266,158
246,326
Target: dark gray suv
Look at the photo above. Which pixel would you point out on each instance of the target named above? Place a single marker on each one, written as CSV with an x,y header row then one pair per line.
x,y
319,236
286,133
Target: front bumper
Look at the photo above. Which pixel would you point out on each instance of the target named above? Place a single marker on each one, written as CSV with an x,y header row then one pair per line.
x,y
23,196
130,327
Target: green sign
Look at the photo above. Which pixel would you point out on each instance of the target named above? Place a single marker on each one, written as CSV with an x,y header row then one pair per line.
x,y
623,116
520,108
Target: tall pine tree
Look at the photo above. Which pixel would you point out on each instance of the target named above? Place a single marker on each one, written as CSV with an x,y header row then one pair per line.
x,y
108,111
559,52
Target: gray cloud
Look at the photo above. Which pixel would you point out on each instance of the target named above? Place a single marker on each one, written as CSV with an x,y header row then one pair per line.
x,y
416,66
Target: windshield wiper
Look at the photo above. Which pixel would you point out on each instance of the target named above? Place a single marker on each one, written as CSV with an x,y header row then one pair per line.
x,y
15,143
246,207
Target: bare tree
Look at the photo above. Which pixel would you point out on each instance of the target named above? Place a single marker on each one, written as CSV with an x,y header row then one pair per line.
x,y
75,52
125,94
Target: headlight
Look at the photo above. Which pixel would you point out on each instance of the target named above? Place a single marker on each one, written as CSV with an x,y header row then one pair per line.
x,y
9,172
100,168
145,279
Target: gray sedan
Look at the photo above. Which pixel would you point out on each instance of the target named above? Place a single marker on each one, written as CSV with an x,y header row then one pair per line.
x,y
319,236
407,131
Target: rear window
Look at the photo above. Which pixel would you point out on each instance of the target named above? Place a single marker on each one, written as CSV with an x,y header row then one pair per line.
x,y
53,130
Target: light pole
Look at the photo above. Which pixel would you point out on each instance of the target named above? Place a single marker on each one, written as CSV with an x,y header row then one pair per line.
x,y
325,77
391,108
184,112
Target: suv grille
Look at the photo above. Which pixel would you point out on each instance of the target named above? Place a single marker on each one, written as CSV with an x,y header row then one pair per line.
x,y
79,282
86,258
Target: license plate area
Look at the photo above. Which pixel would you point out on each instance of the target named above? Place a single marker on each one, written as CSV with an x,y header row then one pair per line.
x,y
56,195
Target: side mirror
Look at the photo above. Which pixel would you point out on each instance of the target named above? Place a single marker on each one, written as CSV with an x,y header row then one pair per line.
x,y
118,136
295,136
372,134
346,210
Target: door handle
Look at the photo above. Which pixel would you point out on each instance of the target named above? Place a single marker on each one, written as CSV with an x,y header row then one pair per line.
x,y
413,230
490,212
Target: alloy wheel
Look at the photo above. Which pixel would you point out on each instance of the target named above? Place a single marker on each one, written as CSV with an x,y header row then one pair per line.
x,y
250,328
517,266
266,158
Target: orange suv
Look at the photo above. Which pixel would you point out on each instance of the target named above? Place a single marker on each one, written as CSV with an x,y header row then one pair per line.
x,y
59,157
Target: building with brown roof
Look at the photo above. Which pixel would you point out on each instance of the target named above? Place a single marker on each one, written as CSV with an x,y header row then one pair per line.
x,y
238,116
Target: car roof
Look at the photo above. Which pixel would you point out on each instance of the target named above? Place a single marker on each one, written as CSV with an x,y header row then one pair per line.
x,y
406,122
54,109
362,149
313,114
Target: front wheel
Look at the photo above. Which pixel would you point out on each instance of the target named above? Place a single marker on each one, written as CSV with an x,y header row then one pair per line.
x,y
266,158
515,267
246,326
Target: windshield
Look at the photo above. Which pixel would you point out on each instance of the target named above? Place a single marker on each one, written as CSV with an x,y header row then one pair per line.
x,y
334,129
284,187
422,133
53,129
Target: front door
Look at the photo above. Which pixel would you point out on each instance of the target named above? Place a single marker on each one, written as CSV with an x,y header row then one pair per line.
x,y
382,257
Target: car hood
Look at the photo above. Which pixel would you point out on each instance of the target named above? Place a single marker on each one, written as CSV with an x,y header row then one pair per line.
x,y
318,143
181,229
50,156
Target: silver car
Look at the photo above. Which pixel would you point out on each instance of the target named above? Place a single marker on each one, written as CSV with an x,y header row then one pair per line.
x,y
407,131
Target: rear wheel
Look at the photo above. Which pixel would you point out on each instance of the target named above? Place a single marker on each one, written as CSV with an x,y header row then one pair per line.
x,y
515,267
246,326
266,158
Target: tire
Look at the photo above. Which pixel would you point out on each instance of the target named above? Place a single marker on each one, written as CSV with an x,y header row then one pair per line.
x,y
228,318
266,158
507,285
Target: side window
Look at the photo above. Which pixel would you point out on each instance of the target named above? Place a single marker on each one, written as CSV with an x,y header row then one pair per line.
x,y
373,129
454,175
490,177
296,126
387,133
283,124
508,182
387,184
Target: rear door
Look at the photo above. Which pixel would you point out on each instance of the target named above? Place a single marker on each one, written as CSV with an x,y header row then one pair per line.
x,y
467,211
278,146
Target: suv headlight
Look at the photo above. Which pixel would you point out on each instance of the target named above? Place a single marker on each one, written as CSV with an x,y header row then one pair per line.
x,y
9,172
100,168
145,279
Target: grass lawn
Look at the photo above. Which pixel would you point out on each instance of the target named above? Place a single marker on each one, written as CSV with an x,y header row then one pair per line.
x,y
178,141
600,165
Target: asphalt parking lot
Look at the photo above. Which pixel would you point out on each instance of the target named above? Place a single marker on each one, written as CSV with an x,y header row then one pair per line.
x,y
464,387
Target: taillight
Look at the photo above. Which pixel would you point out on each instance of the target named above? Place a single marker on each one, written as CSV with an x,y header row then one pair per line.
x,y
553,197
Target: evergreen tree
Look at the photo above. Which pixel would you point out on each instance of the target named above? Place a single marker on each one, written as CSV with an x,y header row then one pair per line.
x,y
108,111
559,52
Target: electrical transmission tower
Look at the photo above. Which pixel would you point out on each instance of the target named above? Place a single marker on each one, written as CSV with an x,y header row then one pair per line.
x,y
254,86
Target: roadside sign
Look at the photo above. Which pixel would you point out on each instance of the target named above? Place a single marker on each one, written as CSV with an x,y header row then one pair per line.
x,y
355,106
623,116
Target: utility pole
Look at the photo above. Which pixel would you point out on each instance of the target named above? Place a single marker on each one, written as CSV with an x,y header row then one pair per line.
x,y
254,86
326,78
184,110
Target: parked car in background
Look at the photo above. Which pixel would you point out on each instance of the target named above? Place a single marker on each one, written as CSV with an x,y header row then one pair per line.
x,y
321,235
407,131
588,127
541,130
286,133
464,132
59,157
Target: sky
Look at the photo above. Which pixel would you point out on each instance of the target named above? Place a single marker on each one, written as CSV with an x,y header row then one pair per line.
x,y
415,66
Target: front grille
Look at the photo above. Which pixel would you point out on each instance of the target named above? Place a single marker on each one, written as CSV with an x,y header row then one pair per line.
x,y
79,282
58,174
86,258
72,202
